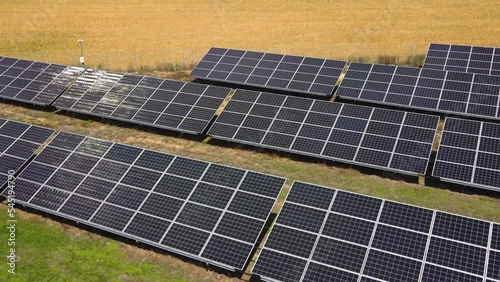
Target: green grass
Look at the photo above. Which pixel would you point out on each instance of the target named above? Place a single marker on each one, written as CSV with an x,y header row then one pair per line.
x,y
50,253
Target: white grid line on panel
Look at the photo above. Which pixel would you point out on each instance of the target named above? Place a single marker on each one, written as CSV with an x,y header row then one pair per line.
x,y
235,65
468,61
52,174
331,130
371,241
498,104
246,116
154,193
310,258
390,83
474,167
492,61
415,88
15,140
147,99
447,56
442,90
86,175
397,139
365,82
301,124
218,62
149,194
118,106
470,93
316,76
272,122
192,106
222,215
174,220
295,73
274,70
428,243
116,183
487,259
254,67
364,134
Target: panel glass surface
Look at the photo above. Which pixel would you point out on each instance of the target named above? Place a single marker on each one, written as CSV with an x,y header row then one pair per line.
x,y
366,136
461,58
266,70
169,104
215,216
469,154
18,143
361,238
34,82
470,94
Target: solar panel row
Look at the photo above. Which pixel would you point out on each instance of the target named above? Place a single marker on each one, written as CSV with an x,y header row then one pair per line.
x,y
205,211
324,234
385,139
469,154
461,58
428,89
18,143
174,105
275,71
34,82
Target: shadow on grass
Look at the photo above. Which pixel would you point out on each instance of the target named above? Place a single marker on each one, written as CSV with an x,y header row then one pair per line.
x,y
129,125
313,160
261,89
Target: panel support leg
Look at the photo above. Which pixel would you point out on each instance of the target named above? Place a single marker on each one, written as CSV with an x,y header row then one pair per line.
x,y
421,180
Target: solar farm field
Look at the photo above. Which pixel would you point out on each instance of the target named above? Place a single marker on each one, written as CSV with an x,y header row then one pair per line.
x,y
169,32
221,141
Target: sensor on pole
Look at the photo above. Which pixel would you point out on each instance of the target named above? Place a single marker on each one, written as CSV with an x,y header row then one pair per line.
x,y
82,58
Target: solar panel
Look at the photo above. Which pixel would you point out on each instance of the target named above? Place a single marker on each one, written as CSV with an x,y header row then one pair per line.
x,y
205,211
427,89
307,75
469,154
325,234
461,58
34,82
162,103
366,136
18,143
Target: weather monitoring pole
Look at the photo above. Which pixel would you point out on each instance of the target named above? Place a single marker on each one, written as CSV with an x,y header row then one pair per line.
x,y
82,59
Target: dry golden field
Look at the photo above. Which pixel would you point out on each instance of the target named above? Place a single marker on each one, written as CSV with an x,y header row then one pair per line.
x,y
127,34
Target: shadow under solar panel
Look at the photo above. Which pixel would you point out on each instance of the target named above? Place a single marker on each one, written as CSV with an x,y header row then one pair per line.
x,y
209,212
